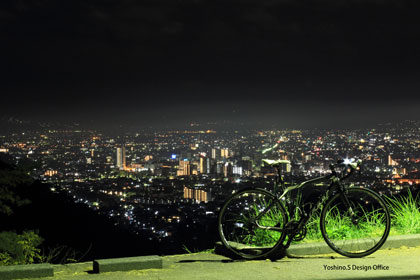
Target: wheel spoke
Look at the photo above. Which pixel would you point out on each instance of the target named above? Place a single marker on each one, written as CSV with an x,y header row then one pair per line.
x,y
238,229
357,232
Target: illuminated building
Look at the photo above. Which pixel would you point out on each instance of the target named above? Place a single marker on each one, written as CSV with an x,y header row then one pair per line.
x,y
227,169
237,170
184,168
204,165
50,172
197,195
213,153
148,158
121,157
200,195
194,167
399,171
201,165
391,162
224,153
188,193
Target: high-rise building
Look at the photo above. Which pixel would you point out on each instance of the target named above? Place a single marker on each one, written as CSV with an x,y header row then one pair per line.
x,y
227,169
188,193
219,167
200,195
237,170
201,169
224,153
205,165
184,168
197,195
213,153
121,157
391,161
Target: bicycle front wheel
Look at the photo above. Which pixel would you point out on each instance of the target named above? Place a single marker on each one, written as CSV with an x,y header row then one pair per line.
x,y
357,228
251,223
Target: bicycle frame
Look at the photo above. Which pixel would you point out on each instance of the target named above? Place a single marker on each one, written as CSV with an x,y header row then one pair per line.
x,y
336,184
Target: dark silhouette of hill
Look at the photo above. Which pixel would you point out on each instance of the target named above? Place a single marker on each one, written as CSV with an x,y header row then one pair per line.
x,y
61,221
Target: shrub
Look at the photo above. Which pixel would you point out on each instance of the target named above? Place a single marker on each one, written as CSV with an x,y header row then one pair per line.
x,y
19,248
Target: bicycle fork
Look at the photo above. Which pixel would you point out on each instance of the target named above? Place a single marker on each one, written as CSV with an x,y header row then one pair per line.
x,y
347,205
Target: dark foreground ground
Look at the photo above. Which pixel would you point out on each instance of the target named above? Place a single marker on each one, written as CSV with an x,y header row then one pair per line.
x,y
400,263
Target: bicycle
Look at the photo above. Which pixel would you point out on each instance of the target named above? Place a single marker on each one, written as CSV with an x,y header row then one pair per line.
x,y
254,223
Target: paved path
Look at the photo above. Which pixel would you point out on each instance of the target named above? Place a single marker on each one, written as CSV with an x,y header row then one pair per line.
x,y
402,263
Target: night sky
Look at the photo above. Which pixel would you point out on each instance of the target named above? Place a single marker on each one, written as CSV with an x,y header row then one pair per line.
x,y
290,63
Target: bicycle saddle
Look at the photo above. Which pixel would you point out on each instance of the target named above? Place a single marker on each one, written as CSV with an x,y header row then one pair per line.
x,y
275,163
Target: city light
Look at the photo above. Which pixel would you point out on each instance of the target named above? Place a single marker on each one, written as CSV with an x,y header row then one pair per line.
x,y
348,161
137,183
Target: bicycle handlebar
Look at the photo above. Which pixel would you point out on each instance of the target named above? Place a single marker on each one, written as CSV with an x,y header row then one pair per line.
x,y
352,163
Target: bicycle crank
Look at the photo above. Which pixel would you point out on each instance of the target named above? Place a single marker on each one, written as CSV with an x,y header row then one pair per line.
x,y
297,236
300,235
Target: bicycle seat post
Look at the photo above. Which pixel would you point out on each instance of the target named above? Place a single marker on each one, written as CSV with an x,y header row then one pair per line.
x,y
279,179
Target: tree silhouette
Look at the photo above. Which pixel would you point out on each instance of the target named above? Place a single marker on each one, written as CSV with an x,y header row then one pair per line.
x,y
27,204
11,180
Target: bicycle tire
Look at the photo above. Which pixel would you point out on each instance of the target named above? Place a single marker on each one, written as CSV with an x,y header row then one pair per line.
x,y
239,233
360,234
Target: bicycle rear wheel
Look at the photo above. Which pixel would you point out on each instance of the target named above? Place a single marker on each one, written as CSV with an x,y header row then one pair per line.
x,y
241,225
357,231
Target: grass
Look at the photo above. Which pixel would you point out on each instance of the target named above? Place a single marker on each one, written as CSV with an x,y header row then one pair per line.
x,y
266,237
405,213
194,251
405,219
